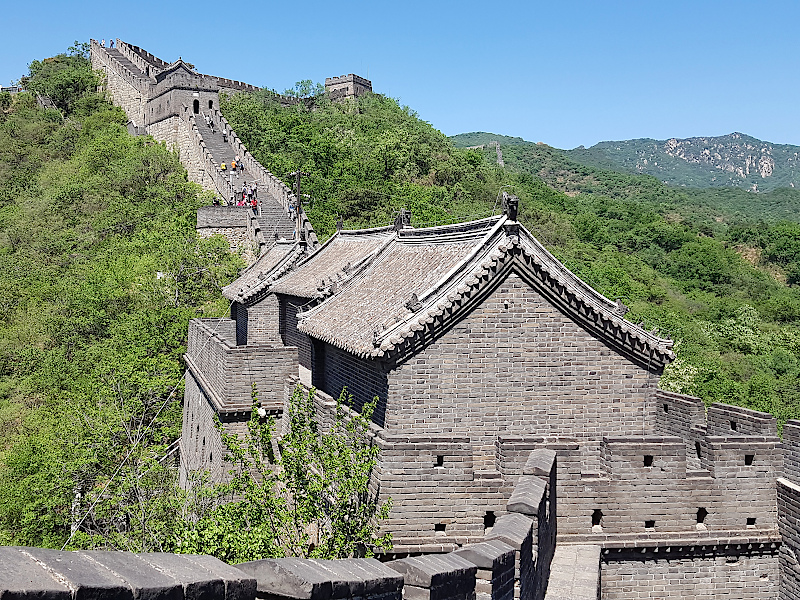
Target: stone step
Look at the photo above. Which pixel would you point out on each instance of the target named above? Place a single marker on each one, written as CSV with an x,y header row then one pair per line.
x,y
123,60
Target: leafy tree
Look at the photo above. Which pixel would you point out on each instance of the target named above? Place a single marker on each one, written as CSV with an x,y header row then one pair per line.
x,y
64,78
306,494
305,89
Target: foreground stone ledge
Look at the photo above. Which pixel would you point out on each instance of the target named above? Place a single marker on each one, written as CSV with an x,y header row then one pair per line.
x,y
43,574
311,579
437,577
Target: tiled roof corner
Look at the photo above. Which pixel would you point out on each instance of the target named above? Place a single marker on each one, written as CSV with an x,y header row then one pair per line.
x,y
269,267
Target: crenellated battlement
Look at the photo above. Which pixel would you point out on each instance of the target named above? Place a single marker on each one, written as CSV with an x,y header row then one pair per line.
x,y
347,86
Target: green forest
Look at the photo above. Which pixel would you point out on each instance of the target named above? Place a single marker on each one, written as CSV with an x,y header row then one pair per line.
x,y
102,269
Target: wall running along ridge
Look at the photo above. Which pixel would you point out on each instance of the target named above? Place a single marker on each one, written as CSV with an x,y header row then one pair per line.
x,y
158,98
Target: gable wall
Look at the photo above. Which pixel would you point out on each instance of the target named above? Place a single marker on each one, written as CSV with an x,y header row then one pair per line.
x,y
263,321
517,365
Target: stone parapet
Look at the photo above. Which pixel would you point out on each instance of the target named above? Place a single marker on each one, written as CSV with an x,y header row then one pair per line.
x,y
227,372
37,573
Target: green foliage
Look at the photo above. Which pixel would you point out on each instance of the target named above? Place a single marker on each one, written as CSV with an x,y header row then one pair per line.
x,y
64,78
305,89
306,494
368,157
91,337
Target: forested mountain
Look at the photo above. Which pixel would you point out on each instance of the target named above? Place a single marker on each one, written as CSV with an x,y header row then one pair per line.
x,y
572,172
734,160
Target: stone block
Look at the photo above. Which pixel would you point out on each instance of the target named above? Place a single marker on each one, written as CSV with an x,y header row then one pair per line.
x,y
324,579
198,582
437,577
487,555
23,578
540,462
145,581
513,529
527,495
238,585
87,579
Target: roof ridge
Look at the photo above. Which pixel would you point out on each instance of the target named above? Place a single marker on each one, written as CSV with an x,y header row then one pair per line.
x,y
280,268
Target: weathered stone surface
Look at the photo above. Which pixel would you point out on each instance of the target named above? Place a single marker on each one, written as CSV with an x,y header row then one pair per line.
x,y
513,529
86,578
23,578
238,585
433,570
146,582
487,555
540,462
289,577
574,573
198,582
527,495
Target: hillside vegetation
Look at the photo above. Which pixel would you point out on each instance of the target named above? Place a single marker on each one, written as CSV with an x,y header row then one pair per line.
x,y
367,159
100,272
733,160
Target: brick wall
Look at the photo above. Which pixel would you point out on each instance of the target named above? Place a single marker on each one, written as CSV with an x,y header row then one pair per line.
x,y
263,321
335,369
435,495
728,420
222,216
230,370
682,416
708,575
289,333
789,512
201,443
518,365
123,88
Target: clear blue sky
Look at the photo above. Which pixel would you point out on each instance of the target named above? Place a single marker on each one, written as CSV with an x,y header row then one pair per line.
x,y
562,72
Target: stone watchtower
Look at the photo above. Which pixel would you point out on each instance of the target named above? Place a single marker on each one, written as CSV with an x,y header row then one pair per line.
x,y
347,86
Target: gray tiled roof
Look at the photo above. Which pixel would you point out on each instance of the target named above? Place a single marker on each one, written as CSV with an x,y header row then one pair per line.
x,y
333,261
423,277
258,276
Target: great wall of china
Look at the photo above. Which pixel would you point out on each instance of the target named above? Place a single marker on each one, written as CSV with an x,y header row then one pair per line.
x,y
523,437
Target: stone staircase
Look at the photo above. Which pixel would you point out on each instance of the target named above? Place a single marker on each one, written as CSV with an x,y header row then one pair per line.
x,y
272,217
274,220
124,61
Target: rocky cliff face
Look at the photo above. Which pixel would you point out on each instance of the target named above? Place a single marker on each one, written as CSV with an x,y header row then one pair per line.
x,y
730,160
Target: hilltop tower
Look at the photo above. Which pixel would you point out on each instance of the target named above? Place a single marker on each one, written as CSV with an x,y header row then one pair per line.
x,y
347,86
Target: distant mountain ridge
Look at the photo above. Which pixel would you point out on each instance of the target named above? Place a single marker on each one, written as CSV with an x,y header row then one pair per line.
x,y
734,160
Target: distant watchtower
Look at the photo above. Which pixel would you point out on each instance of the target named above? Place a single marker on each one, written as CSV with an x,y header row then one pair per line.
x,y
347,86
